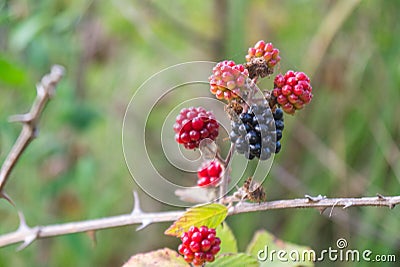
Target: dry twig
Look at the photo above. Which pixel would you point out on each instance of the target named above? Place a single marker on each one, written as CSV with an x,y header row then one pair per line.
x,y
27,234
45,90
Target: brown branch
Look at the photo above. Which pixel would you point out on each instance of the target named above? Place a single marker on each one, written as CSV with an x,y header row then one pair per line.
x,y
45,90
29,234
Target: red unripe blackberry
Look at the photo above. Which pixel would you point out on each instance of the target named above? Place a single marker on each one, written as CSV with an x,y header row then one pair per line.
x,y
228,79
201,248
193,125
292,91
266,51
209,174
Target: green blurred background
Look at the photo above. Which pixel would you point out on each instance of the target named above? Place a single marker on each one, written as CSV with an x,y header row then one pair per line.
x,y
344,144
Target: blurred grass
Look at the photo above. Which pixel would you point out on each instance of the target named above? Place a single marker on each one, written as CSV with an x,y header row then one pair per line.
x,y
345,143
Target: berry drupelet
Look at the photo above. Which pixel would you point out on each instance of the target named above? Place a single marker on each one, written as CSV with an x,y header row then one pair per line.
x,y
209,174
199,245
279,125
257,133
292,91
227,80
193,125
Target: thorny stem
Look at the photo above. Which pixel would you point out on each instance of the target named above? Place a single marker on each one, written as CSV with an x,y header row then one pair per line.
x,y
45,90
144,218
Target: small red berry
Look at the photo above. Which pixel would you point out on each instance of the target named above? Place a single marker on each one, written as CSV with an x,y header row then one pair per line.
x,y
181,248
205,245
210,257
197,262
197,237
197,124
212,231
204,231
188,258
186,241
194,246
293,98
215,249
188,252
282,100
192,229
286,90
211,238
199,255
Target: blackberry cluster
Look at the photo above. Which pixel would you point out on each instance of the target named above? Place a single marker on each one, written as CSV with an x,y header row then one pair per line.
x,y
199,245
257,133
193,125
209,174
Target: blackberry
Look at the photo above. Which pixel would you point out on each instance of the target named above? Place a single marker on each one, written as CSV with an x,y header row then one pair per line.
x,y
193,125
292,91
279,125
256,133
228,80
209,174
261,59
199,245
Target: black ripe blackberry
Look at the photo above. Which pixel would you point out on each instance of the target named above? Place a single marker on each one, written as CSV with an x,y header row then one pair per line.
x,y
253,133
279,125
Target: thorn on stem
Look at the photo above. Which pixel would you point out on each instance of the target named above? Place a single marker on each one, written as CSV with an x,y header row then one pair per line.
x,y
144,224
136,204
348,205
314,199
380,197
32,236
32,233
92,236
22,118
321,210
7,198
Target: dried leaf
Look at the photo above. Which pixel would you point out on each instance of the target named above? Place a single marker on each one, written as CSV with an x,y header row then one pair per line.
x,y
162,257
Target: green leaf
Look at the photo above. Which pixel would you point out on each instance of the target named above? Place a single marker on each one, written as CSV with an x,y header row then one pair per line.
x,y
268,243
161,257
210,215
10,73
228,240
234,260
